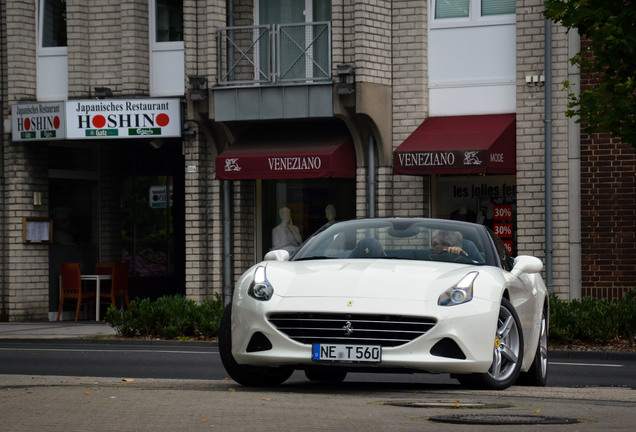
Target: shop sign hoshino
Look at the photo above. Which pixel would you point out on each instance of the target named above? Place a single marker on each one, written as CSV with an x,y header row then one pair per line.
x,y
123,118
37,121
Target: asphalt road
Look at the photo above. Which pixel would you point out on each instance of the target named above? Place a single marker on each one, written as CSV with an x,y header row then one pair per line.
x,y
105,386
200,361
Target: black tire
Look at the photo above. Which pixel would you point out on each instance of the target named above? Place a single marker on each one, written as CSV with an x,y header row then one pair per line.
x,y
251,376
537,375
326,374
507,353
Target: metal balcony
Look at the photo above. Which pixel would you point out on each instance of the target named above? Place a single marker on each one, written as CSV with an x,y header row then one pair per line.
x,y
277,54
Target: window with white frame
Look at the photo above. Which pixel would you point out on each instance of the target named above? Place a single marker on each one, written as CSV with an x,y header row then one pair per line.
x,y
52,54
473,10
167,61
53,24
169,21
472,57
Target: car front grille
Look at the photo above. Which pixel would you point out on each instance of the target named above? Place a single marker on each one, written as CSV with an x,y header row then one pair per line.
x,y
354,329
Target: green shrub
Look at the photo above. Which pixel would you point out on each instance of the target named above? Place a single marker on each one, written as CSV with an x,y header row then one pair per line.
x,y
122,321
592,321
208,318
626,316
585,320
167,318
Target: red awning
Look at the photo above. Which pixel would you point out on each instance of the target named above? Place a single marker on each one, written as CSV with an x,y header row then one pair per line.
x,y
292,153
459,145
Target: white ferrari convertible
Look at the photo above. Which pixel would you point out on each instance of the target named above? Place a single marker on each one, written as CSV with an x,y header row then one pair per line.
x,y
390,295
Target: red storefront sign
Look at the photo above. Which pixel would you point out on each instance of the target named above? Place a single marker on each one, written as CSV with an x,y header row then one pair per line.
x,y
459,145
288,155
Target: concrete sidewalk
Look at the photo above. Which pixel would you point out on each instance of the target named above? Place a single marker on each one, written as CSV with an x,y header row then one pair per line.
x,y
55,330
49,403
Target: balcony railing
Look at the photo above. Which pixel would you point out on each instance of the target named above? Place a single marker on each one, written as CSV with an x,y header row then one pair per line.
x,y
274,54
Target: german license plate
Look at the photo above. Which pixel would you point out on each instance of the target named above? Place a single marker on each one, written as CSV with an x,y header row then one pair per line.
x,y
347,353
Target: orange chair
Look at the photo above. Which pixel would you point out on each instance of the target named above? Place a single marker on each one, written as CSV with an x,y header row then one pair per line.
x,y
118,285
71,287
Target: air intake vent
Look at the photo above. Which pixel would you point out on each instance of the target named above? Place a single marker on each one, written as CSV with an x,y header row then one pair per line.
x,y
357,329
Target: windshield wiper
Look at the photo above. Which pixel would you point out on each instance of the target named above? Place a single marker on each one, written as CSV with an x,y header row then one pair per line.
x,y
315,258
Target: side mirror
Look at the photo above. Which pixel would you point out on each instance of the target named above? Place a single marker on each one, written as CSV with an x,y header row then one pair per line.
x,y
277,255
526,264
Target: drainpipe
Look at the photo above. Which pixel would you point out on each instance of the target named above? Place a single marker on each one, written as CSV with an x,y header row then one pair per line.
x,y
227,203
574,170
227,241
229,6
372,183
548,155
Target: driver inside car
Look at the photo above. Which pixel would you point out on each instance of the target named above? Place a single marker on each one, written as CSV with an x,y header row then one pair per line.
x,y
447,241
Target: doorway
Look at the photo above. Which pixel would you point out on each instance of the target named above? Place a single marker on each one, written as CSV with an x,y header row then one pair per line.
x,y
153,219
74,210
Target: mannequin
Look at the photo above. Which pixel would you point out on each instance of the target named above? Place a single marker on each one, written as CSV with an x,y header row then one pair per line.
x,y
330,214
286,235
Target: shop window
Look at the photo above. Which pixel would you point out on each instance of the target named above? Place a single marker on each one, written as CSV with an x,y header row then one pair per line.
x,y
147,226
487,200
307,201
73,209
73,158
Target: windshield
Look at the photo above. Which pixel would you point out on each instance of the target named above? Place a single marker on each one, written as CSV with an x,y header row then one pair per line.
x,y
409,239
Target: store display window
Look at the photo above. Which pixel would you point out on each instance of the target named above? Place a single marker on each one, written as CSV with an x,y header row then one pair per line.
x,y
489,200
295,209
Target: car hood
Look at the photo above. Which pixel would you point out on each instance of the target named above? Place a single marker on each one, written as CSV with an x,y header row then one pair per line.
x,y
365,278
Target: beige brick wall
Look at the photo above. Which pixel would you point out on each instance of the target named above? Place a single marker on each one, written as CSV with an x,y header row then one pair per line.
x,y
203,194
135,69
94,47
531,217
25,267
410,102
372,46
203,223
342,31
243,213
4,112
362,207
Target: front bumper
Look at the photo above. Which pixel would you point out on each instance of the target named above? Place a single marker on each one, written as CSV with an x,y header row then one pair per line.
x,y
471,326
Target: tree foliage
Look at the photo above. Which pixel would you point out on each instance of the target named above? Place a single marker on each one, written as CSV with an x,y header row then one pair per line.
x,y
610,26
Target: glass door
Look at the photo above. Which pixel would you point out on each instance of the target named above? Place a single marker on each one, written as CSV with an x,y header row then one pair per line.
x,y
74,210
153,219
148,226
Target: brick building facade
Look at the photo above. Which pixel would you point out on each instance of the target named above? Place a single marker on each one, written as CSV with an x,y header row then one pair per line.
x,y
382,80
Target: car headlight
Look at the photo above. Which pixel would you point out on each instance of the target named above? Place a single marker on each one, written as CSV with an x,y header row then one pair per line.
x,y
260,288
461,292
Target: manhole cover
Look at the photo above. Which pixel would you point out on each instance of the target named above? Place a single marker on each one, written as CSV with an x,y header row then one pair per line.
x,y
501,419
450,405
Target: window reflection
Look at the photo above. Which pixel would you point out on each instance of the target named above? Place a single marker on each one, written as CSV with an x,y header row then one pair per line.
x,y
169,20
147,229
53,23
